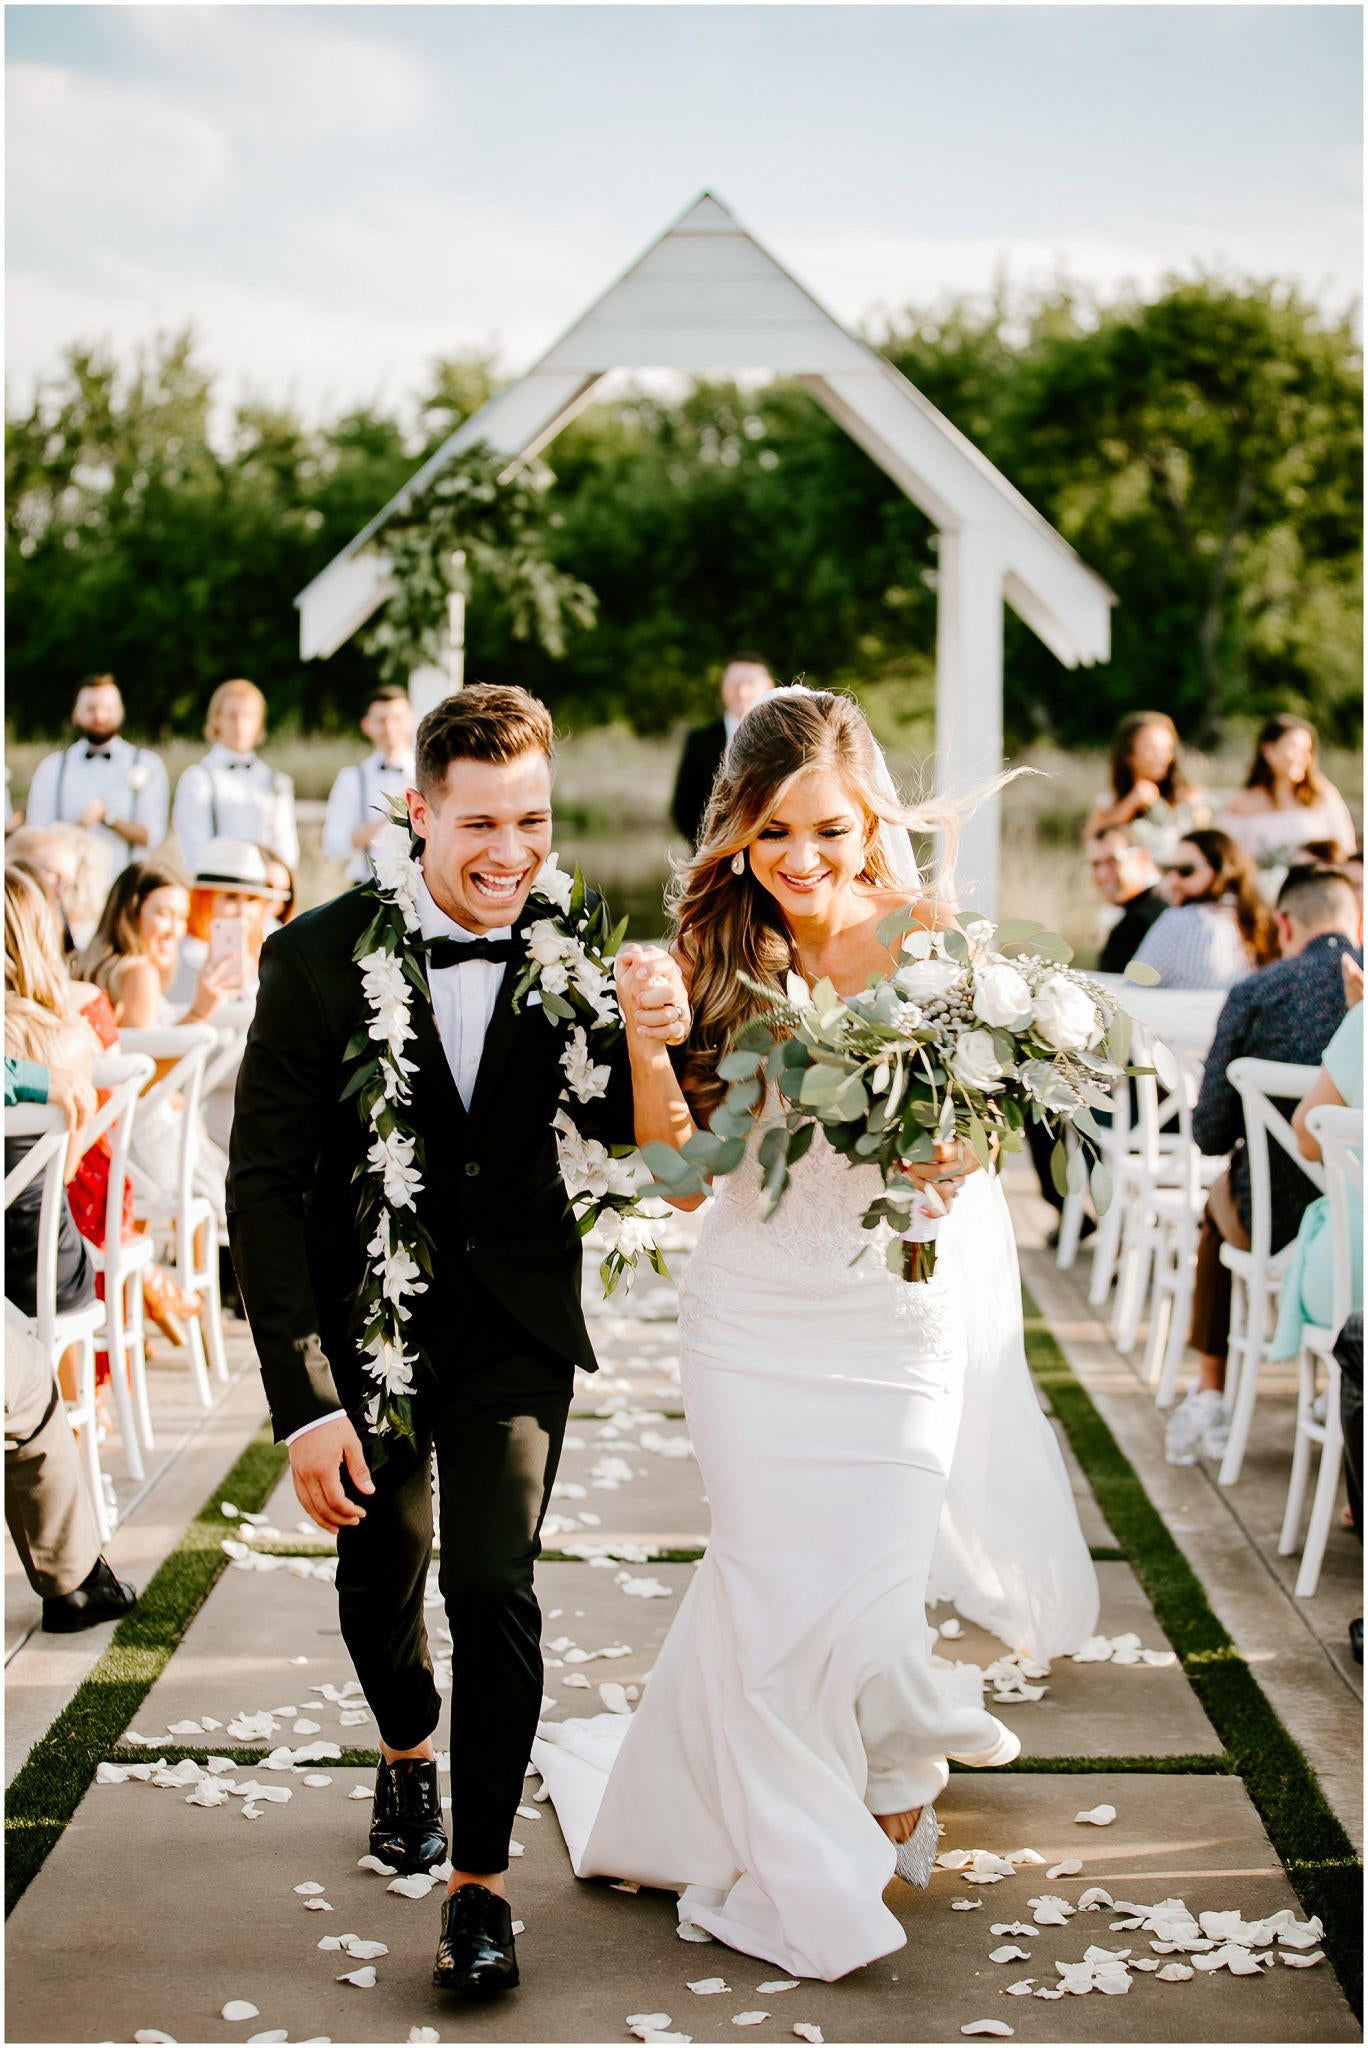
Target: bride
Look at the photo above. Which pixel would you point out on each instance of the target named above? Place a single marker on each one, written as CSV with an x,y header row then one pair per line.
x,y
866,1445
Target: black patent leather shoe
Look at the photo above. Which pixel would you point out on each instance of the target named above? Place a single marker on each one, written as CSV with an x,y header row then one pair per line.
x,y
99,1597
406,1815
476,1956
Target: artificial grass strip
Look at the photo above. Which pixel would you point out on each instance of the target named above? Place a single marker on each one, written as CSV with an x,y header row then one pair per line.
x,y
57,1772
1307,1836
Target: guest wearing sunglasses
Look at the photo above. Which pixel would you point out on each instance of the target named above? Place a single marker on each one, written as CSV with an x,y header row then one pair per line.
x,y
1218,927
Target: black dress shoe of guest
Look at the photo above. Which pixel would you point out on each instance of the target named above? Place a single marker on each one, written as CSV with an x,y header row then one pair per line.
x,y
99,1597
476,1956
406,1815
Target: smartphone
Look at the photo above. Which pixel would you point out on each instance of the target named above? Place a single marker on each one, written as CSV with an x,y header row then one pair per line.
x,y
228,941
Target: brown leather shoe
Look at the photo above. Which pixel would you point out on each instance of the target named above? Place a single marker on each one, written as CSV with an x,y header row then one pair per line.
x,y
167,1303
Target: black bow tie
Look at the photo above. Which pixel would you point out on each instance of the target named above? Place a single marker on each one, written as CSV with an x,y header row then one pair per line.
x,y
455,952
98,754
242,764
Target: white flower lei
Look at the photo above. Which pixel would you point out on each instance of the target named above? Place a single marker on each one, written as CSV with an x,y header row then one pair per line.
x,y
568,974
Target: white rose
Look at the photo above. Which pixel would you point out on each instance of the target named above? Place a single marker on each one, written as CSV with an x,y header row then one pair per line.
x,y
975,1064
138,777
921,981
555,979
547,944
552,884
1002,996
1065,1016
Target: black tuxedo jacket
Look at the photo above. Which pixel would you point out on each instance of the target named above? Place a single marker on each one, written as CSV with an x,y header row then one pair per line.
x,y
493,1199
704,747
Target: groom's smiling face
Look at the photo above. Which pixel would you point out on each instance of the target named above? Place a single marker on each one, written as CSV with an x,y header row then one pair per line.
x,y
486,831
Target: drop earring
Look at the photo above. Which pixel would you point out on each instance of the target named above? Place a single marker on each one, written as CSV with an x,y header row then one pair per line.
x,y
738,864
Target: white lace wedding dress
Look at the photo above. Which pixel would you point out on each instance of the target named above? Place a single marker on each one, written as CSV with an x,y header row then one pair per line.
x,y
866,1445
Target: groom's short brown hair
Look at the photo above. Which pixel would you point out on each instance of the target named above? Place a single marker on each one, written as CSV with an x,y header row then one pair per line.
x,y
488,722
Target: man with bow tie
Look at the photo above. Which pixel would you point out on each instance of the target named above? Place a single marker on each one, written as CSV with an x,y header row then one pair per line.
x,y
358,803
232,793
103,783
498,1328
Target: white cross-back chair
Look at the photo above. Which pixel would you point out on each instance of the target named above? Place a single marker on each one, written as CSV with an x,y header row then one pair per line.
x,y
1339,1132
1176,1222
1256,1274
122,1265
186,1220
73,1329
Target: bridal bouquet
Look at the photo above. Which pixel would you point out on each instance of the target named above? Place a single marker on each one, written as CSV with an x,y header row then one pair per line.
x,y
976,1031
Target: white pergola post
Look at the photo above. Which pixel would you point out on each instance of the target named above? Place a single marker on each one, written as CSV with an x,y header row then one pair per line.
x,y
969,698
427,687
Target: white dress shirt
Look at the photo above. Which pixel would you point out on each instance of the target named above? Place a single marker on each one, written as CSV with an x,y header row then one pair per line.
x,y
360,796
234,796
129,781
463,999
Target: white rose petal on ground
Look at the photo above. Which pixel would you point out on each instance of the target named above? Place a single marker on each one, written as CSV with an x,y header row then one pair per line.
x,y
520,1927
1050,1911
1070,1867
1005,1927
416,1887
363,1979
707,1987
777,1984
529,1813
1298,1961
806,2031
310,1890
363,1951
116,1774
748,2019
1174,1973
952,1628
420,2034
317,1906
250,1811
686,1929
151,2034
217,1765
1097,1816
576,1678
369,1862
185,1728
271,2034
614,1698
208,1793
1048,1991
240,2009
1094,1898
966,1905
317,1780
654,2020
1009,1953
998,2028
362,1792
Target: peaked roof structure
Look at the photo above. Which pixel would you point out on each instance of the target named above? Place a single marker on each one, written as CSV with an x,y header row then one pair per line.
x,y
706,297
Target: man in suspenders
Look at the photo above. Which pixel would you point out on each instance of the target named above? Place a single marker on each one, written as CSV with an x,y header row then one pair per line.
x,y
103,783
357,804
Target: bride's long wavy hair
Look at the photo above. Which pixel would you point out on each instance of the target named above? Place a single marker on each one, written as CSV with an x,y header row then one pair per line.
x,y
724,925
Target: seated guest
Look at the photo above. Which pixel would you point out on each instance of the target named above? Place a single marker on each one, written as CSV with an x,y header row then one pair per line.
x,y
358,804
1125,875
51,1018
133,957
1287,1012
1286,801
745,680
74,870
103,783
1150,795
30,1080
231,903
1308,1285
231,793
1218,927
47,1508
284,889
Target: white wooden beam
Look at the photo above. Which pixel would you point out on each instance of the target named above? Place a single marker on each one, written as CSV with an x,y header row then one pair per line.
x,y
969,700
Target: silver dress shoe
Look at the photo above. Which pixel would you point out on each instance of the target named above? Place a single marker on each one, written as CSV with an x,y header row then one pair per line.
x,y
917,1855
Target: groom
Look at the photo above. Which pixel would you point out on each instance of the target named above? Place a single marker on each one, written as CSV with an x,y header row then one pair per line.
x,y
499,1326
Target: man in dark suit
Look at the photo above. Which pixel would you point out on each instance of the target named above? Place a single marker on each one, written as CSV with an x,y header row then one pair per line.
x,y
745,679
497,1327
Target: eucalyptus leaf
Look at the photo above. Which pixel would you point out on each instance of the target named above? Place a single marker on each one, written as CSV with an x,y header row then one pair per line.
x,y
799,1141
1142,974
1101,1187
896,923
667,1163
740,1065
1165,1065
1059,1167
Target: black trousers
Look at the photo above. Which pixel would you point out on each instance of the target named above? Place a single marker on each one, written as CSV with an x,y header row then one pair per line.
x,y
495,1428
1349,1357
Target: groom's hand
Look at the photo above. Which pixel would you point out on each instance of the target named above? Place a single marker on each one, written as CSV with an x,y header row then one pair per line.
x,y
316,1462
653,994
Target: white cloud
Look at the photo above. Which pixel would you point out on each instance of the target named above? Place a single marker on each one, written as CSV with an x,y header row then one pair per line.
x,y
86,149
269,66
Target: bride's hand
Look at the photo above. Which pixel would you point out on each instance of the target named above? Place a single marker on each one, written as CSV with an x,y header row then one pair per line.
x,y
946,1173
654,999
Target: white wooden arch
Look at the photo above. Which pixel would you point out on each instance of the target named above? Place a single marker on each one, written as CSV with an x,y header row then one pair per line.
x,y
707,298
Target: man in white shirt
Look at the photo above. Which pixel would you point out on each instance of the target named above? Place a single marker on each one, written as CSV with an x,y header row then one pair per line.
x,y
103,783
231,793
359,797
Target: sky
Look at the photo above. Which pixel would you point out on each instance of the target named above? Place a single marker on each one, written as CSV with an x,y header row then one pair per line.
x,y
331,196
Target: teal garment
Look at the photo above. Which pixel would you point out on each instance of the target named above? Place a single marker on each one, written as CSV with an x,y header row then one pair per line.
x,y
1308,1286
25,1081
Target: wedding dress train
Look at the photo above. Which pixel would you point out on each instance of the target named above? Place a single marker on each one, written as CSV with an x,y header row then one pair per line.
x,y
865,1445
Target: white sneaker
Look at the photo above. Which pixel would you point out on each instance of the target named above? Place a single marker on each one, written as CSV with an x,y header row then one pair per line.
x,y
1198,1427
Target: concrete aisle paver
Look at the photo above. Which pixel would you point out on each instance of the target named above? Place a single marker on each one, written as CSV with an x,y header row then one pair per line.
x,y
214,1917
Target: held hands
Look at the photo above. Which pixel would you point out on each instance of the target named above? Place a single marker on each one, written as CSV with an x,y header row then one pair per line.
x,y
654,999
316,1462
942,1177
